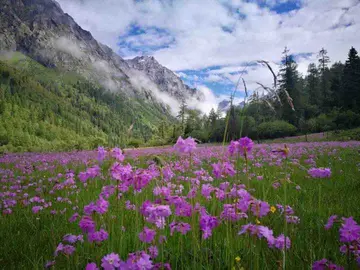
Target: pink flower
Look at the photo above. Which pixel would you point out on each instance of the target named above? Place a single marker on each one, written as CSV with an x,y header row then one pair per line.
x,y
110,261
98,237
349,231
91,266
320,172
87,225
147,235
185,146
330,222
325,264
260,208
153,251
117,154
37,209
101,153
242,146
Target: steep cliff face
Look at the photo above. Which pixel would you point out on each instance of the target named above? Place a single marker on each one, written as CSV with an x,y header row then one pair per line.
x,y
41,30
165,79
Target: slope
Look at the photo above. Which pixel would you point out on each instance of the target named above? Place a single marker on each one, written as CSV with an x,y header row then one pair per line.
x,y
44,109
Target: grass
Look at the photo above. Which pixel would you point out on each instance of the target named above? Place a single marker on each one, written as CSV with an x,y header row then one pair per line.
x,y
29,240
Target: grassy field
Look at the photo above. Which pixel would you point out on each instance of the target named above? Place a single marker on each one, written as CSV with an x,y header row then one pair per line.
x,y
41,192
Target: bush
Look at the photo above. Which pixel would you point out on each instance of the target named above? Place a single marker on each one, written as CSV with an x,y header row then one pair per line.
x,y
134,143
276,129
4,139
324,123
96,142
201,135
156,142
347,120
346,135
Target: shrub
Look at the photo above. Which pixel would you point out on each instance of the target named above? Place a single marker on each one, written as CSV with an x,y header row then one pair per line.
x,y
4,139
276,129
134,142
156,142
324,122
201,135
346,120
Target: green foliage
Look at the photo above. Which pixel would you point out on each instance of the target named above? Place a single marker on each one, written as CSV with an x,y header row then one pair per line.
x,y
324,122
135,143
346,135
44,109
347,120
201,135
275,129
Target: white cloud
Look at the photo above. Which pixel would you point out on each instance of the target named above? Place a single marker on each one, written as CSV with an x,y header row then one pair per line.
x,y
196,40
68,46
181,75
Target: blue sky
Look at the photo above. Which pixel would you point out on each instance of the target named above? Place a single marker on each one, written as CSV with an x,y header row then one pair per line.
x,y
210,43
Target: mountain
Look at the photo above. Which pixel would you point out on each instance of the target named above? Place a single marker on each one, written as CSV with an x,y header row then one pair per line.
x,y
164,78
62,81
42,31
224,105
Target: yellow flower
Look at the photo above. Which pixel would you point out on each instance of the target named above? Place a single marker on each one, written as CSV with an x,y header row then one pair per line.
x,y
257,221
237,259
272,209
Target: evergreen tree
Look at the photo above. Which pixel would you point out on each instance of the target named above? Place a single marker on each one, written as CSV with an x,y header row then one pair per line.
x,y
182,114
351,81
336,71
324,60
313,86
288,88
212,118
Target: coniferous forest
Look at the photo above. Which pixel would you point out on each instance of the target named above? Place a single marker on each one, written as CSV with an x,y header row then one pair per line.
x,y
327,98
44,109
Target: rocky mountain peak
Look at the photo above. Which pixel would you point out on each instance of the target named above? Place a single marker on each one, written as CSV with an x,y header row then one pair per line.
x,y
41,30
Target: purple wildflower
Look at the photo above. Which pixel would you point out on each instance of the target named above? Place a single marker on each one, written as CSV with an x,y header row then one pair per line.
x,y
117,154
260,208
49,264
74,217
349,231
324,264
153,251
147,235
36,209
320,172
91,266
110,261
101,153
87,225
98,237
282,242
185,146
330,222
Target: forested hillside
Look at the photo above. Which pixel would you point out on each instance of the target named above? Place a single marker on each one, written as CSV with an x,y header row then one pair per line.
x,y
45,109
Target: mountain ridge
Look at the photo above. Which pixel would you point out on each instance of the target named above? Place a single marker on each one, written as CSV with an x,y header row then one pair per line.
x,y
43,31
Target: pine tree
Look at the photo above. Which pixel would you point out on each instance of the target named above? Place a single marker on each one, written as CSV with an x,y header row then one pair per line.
x,y
288,88
313,85
182,114
324,60
212,118
336,71
351,81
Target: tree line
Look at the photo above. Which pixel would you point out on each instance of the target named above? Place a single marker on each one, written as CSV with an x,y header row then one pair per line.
x,y
326,98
